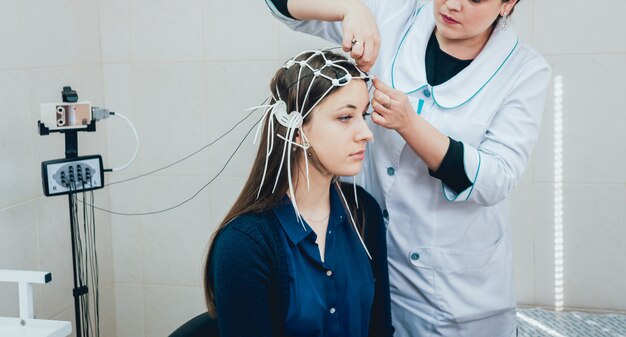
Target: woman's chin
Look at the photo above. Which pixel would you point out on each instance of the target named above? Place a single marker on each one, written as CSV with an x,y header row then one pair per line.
x,y
349,171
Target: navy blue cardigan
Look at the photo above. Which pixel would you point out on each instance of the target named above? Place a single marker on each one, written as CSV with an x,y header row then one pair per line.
x,y
257,305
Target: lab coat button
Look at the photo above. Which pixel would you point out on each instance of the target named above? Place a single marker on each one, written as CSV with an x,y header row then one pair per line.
x,y
385,214
426,93
332,310
329,273
391,171
415,256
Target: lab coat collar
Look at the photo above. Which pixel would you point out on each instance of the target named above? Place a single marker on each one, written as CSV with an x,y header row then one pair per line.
x,y
286,215
408,70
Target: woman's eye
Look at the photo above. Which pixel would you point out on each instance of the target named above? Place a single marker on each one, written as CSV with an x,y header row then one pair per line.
x,y
345,118
365,114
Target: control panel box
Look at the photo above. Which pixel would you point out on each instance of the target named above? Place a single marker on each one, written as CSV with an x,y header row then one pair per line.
x,y
72,175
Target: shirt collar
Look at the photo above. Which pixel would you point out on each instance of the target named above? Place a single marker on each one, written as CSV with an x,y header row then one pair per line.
x,y
408,70
294,229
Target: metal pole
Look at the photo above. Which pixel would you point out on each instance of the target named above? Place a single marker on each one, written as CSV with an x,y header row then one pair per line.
x,y
71,151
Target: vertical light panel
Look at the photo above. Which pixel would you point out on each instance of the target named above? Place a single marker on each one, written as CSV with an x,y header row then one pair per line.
x,y
558,194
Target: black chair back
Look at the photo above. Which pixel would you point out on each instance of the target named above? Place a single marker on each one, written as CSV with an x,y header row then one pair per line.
x,y
202,325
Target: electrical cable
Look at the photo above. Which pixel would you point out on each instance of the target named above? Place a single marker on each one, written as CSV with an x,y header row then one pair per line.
x,y
132,127
78,261
77,239
94,266
91,267
86,259
86,265
188,199
190,155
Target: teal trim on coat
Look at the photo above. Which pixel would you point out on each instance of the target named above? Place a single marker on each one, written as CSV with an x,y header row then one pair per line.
x,y
471,188
395,57
481,88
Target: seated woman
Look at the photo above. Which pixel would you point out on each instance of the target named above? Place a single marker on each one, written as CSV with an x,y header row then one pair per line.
x,y
299,253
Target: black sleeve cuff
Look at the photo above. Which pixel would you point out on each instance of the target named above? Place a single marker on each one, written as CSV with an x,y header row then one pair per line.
x,y
281,5
452,169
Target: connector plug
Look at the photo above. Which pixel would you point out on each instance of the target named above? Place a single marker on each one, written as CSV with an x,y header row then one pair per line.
x,y
101,113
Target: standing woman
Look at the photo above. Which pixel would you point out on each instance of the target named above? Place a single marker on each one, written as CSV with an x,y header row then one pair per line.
x,y
295,256
457,109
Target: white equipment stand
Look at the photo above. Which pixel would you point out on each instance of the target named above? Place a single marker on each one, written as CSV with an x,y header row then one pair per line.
x,y
26,325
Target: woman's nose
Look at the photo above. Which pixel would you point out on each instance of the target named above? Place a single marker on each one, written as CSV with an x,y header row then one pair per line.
x,y
365,134
454,5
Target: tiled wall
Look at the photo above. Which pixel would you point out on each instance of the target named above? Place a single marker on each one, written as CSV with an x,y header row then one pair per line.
x,y
44,46
184,72
586,45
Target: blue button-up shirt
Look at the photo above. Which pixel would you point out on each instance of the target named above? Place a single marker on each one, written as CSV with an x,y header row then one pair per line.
x,y
331,298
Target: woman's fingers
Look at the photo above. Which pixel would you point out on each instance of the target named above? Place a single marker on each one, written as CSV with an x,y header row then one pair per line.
x,y
378,119
346,44
357,50
374,48
368,57
382,99
360,35
382,87
393,109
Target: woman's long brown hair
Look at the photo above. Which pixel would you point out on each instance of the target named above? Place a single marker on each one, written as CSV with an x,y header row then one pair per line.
x,y
284,84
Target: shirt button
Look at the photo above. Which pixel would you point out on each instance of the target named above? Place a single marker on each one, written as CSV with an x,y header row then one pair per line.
x,y
332,310
385,214
329,272
415,256
426,93
391,171
330,232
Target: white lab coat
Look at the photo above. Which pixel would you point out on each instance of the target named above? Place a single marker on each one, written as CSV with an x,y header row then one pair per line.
x,y
450,264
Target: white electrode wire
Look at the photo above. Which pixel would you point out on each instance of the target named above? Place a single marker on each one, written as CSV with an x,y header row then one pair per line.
x,y
345,202
356,200
132,127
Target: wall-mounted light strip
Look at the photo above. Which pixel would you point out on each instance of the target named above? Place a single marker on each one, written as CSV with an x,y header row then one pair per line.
x,y
558,194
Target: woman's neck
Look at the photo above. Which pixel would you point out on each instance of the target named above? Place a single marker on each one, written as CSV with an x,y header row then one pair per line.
x,y
463,49
313,203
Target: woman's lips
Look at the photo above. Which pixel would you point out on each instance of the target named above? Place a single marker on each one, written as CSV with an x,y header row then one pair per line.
x,y
448,19
358,155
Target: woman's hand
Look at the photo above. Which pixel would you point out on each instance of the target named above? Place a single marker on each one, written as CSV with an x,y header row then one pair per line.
x,y
360,34
392,109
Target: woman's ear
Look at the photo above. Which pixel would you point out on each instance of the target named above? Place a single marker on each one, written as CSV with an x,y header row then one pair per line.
x,y
297,138
508,7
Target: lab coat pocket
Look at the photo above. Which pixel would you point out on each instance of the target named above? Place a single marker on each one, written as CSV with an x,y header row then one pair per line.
x,y
472,284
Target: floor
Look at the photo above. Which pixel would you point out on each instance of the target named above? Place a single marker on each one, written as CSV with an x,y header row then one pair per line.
x,y
544,323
